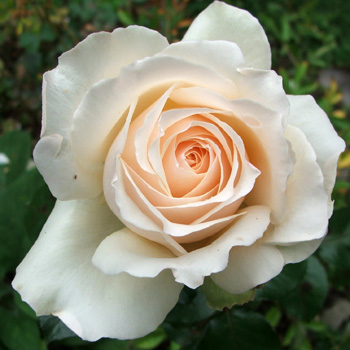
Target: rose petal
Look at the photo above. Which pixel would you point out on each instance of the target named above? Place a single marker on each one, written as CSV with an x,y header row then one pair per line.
x,y
165,229
262,133
159,199
141,137
248,267
63,90
220,21
265,88
62,172
123,206
307,200
297,252
57,276
105,103
171,118
83,66
224,57
124,251
305,114
136,210
174,125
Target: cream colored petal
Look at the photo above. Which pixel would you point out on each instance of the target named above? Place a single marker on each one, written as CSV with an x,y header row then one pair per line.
x,y
159,199
297,252
262,132
220,21
170,118
63,90
223,57
65,176
307,200
143,133
165,231
265,88
122,186
96,118
84,65
58,277
123,251
306,115
249,267
122,205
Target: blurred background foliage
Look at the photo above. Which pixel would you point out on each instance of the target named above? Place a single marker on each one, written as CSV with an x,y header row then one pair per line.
x,y
308,305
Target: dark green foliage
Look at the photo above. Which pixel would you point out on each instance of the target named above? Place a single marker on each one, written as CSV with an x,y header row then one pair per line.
x,y
239,329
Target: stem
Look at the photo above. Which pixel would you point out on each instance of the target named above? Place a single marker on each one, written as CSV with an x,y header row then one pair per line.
x,y
229,319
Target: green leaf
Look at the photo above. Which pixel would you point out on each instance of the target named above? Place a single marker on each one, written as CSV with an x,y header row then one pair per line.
x,y
339,222
335,252
335,249
218,299
307,300
25,186
13,241
273,316
54,329
23,306
284,283
174,346
240,330
29,41
290,334
5,290
18,331
24,207
191,308
317,326
125,18
184,324
16,145
150,341
300,72
299,339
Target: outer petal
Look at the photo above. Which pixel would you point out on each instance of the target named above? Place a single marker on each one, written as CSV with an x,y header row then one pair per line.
x,y
248,267
105,103
84,65
264,87
220,21
307,200
299,251
306,115
224,57
124,251
62,172
57,276
64,88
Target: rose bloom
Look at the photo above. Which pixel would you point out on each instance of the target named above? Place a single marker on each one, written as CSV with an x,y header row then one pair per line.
x,y
171,163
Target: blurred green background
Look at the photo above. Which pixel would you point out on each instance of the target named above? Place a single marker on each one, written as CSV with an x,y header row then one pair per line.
x,y
308,305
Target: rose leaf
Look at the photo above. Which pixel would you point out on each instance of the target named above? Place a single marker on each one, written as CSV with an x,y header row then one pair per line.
x,y
240,329
15,148
307,300
219,299
287,281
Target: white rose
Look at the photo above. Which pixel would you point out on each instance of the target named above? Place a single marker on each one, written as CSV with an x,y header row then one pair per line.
x,y
171,163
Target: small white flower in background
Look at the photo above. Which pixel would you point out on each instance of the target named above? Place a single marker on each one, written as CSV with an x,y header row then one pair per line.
x,y
4,160
171,163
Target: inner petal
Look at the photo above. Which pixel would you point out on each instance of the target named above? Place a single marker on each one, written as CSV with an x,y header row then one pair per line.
x,y
193,155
